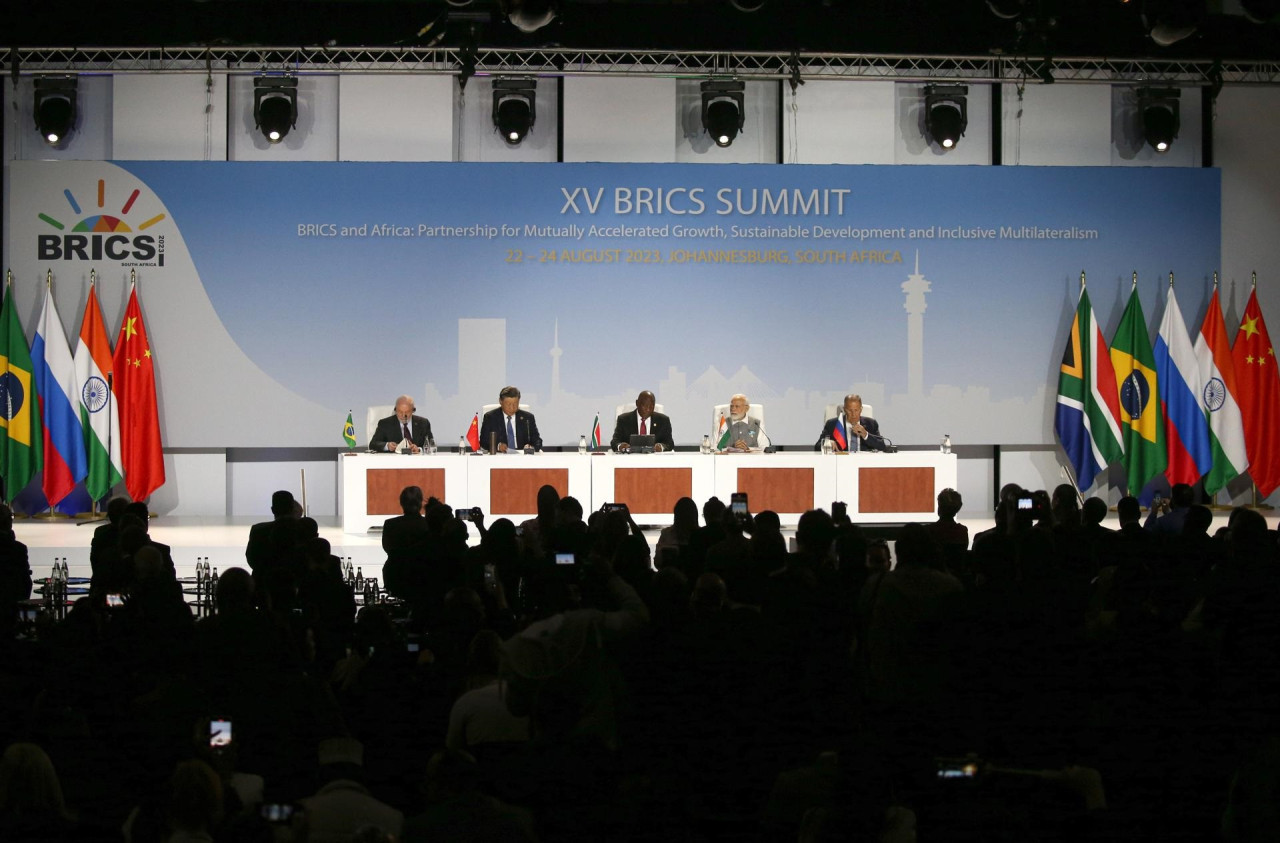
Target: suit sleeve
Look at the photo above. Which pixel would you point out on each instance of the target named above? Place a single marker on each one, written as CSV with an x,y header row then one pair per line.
x,y
532,437
426,431
665,436
825,434
873,441
379,440
489,424
620,434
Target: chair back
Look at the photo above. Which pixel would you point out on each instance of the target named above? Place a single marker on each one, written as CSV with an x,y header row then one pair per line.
x,y
375,414
756,411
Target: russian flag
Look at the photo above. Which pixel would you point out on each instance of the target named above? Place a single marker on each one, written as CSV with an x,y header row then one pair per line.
x,y
65,463
837,433
1186,431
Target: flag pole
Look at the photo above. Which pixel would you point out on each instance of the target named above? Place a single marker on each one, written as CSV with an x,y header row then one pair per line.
x,y
52,514
302,472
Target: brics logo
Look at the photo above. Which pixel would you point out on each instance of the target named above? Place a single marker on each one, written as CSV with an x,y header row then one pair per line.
x,y
102,236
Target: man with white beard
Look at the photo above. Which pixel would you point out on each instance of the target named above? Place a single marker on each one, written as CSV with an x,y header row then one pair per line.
x,y
746,433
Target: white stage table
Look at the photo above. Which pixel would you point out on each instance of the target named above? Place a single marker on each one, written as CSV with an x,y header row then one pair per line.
x,y
893,487
877,487
650,484
506,485
790,482
370,484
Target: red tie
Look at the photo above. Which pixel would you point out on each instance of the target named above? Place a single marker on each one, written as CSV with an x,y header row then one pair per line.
x,y
642,427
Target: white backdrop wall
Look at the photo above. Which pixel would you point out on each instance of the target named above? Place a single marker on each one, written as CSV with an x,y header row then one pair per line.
x,y
629,119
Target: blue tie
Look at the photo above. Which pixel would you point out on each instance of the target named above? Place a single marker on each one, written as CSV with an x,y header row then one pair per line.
x,y
511,434
854,442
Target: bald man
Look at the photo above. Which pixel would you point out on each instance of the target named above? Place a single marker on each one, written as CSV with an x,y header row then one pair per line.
x,y
643,421
403,426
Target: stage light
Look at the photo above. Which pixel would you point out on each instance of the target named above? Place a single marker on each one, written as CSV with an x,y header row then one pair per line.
x,y
723,111
275,106
946,113
530,15
54,107
1161,118
514,108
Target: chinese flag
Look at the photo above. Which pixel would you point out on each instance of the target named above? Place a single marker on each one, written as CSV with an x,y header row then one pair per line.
x,y
1259,396
134,385
473,433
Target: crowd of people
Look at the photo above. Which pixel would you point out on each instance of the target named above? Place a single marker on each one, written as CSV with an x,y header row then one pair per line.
x,y
561,679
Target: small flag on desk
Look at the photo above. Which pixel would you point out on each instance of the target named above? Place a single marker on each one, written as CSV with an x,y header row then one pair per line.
x,y
837,433
595,433
349,431
722,434
473,433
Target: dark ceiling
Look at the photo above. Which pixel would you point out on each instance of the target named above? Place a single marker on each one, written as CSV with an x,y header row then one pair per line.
x,y
1058,28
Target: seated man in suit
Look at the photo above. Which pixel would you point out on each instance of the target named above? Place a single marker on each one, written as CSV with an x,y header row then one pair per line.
x,y
643,421
403,426
513,428
746,433
852,431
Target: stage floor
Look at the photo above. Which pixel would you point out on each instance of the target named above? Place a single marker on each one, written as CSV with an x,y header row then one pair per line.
x,y
221,541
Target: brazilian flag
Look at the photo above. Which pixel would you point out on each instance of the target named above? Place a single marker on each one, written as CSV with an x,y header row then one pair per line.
x,y
349,431
21,438
1141,420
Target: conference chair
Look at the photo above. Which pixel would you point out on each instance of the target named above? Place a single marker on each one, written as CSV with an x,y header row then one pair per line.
x,y
375,414
756,411
631,408
832,409
487,407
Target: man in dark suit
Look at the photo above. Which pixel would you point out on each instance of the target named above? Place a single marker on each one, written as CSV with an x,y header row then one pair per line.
x,y
405,539
274,542
404,425
655,424
853,432
509,420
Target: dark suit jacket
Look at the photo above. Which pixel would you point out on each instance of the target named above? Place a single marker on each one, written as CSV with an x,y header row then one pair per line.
x,y
404,535
272,544
388,430
526,429
872,442
627,426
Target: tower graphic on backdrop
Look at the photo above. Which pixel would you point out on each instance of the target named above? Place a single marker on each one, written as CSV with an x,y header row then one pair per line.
x,y
915,287
794,414
555,352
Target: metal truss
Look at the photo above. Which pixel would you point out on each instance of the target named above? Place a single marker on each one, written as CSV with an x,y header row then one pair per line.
x,y
639,63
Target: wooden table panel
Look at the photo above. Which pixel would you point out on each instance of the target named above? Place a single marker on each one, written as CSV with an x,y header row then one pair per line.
x,y
515,490
778,489
383,487
652,489
896,490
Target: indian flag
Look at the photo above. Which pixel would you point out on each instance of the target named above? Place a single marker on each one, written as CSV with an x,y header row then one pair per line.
x,y
99,415
722,434
1218,399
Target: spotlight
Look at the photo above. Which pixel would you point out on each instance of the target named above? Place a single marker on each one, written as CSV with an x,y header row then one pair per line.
x,y
275,106
529,16
55,107
514,108
1161,119
946,113
723,113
